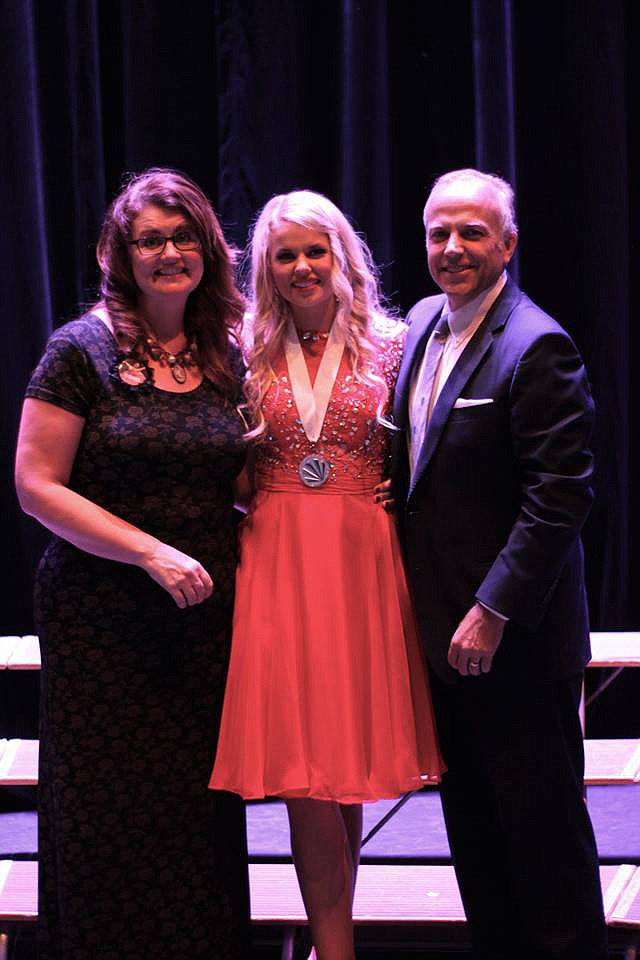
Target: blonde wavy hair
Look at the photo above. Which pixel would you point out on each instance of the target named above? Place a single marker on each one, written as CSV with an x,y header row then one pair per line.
x,y
354,277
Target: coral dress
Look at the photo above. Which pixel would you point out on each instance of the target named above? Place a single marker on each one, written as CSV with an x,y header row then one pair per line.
x,y
327,694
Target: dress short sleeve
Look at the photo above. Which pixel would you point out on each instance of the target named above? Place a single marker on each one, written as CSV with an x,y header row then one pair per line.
x,y
65,375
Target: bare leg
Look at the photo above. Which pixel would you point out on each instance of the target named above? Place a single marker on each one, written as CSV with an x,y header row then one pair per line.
x,y
352,816
322,858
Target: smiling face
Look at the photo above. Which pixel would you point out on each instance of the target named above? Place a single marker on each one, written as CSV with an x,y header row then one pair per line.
x,y
301,262
172,273
466,247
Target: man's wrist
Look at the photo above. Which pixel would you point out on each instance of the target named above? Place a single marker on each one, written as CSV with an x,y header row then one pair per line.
x,y
496,613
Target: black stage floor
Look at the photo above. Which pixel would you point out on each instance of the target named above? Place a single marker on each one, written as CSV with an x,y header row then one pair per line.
x,y
415,834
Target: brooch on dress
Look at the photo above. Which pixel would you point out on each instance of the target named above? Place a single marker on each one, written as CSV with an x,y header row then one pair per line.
x,y
132,371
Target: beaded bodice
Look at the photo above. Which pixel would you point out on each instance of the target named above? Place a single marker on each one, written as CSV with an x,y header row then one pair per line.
x,y
352,439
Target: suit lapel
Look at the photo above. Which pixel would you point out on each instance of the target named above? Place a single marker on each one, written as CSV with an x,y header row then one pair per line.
x,y
472,355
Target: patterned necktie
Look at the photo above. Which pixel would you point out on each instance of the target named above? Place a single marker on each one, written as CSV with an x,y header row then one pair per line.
x,y
423,402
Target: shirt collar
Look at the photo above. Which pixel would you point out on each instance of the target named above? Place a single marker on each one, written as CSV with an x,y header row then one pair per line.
x,y
476,310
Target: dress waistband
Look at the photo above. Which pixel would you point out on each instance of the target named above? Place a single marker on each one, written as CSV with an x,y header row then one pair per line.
x,y
288,481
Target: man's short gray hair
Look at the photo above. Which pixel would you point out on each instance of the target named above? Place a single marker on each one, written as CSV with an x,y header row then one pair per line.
x,y
502,189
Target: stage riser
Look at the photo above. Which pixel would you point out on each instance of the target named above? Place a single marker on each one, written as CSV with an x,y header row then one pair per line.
x,y
389,895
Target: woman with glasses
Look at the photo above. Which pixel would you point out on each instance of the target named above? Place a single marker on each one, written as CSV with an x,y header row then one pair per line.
x,y
129,445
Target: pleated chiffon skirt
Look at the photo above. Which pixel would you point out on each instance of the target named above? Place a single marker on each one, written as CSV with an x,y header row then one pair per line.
x,y
327,694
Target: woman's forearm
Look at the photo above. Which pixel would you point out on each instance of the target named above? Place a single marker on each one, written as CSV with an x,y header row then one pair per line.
x,y
83,523
47,447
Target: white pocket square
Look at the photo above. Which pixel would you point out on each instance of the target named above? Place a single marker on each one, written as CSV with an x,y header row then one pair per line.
x,y
464,402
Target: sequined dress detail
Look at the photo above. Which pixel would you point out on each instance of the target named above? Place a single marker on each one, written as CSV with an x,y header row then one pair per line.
x,y
327,695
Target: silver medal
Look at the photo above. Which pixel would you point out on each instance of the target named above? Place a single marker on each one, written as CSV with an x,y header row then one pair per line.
x,y
314,471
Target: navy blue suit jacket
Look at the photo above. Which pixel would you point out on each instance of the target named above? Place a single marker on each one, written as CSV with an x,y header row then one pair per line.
x,y
501,490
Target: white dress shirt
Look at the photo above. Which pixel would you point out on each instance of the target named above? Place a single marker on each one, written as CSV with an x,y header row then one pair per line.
x,y
463,323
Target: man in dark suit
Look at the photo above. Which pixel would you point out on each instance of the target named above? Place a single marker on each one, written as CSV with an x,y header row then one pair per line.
x,y
492,484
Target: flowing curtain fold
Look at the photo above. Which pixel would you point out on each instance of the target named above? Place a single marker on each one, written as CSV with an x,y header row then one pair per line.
x,y
365,121
494,94
26,290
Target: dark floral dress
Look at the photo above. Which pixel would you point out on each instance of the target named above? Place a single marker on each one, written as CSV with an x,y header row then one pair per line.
x,y
137,857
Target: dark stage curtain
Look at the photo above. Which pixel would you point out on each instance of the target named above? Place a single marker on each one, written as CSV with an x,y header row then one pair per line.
x,y
366,101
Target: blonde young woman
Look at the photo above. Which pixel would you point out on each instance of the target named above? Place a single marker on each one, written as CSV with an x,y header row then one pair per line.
x,y
327,703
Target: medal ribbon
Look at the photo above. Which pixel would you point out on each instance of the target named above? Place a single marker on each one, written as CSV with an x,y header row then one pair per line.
x,y
311,402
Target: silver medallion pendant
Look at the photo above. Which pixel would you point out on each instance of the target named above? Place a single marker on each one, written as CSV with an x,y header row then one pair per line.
x,y
314,471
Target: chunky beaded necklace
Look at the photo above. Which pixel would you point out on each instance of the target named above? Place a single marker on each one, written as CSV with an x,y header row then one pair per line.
x,y
177,362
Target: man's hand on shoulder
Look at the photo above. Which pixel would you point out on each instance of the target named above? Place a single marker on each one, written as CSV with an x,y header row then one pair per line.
x,y
475,642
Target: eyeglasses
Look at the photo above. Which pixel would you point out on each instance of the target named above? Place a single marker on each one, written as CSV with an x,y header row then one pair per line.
x,y
153,244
